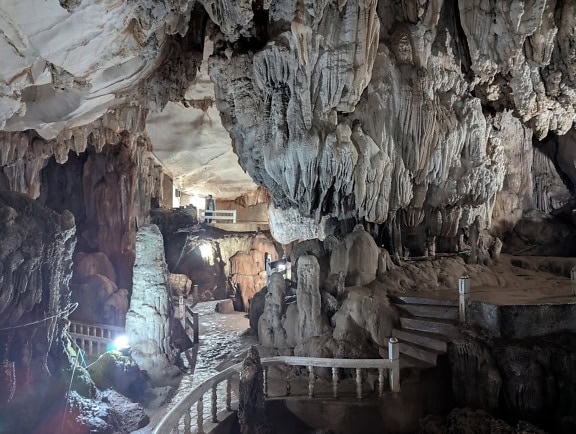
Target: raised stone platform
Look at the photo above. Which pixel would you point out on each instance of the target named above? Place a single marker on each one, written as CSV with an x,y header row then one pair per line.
x,y
518,313
523,318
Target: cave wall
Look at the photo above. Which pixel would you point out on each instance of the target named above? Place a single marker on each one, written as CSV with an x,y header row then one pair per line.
x,y
35,264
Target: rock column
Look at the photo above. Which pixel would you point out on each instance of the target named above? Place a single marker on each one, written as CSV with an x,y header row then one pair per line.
x,y
148,319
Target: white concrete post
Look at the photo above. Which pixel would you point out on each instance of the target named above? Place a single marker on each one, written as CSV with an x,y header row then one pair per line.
x,y
394,356
463,296
359,383
335,382
200,415
311,379
182,311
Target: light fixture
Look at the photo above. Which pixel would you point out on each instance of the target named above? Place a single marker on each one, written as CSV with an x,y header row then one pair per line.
x,y
121,343
206,252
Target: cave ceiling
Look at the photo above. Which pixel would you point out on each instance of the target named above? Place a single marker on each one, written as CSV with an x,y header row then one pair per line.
x,y
398,112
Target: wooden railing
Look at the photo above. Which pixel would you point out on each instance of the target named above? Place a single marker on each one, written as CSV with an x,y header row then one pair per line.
x,y
217,215
181,413
94,339
188,318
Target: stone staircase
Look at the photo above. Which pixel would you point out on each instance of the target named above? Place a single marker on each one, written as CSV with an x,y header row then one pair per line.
x,y
427,325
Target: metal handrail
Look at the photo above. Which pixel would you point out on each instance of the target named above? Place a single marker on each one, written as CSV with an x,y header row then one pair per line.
x,y
170,422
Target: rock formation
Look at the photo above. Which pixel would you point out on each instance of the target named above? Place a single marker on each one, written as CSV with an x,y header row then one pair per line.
x,y
252,406
36,259
331,318
148,320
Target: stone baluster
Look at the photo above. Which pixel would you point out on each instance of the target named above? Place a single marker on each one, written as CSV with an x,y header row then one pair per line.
x,y
265,374
229,394
380,382
311,379
463,296
200,415
214,403
335,382
288,379
359,383
187,423
394,356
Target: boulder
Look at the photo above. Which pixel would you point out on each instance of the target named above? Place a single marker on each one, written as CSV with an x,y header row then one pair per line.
x,y
89,264
357,256
179,284
113,370
225,306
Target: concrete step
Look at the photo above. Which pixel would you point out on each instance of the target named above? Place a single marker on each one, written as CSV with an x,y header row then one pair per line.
x,y
430,325
429,340
421,353
410,362
424,300
430,310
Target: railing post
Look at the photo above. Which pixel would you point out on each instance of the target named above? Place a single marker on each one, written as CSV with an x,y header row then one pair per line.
x,y
311,380
288,379
196,327
200,415
195,292
380,382
265,373
187,423
229,394
394,356
573,280
214,403
464,295
335,382
359,383
182,311
234,215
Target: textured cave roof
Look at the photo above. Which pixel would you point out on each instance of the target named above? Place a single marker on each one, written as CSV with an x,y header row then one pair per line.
x,y
397,113
65,68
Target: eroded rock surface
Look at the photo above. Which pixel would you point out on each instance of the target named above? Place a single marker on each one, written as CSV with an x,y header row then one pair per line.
x,y
35,268
148,320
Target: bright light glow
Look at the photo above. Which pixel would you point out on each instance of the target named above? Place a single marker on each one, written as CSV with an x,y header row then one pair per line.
x,y
281,267
206,252
121,343
198,202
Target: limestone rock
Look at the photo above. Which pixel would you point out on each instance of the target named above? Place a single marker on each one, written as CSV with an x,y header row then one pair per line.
x,y
112,370
89,264
357,257
364,314
35,268
270,330
252,406
91,295
248,268
148,320
179,284
311,322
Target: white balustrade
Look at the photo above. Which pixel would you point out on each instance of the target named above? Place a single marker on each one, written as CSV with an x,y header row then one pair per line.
x,y
94,339
217,215
180,413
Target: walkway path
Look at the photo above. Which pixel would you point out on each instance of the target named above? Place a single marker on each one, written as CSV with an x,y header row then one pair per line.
x,y
222,336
